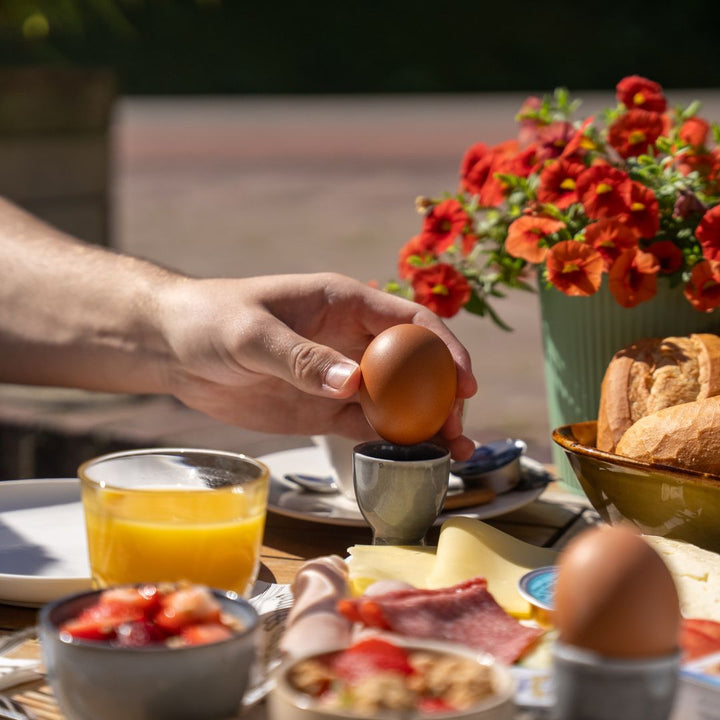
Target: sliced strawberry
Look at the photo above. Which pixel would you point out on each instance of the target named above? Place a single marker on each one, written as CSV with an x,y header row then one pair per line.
x,y
699,638
711,628
348,608
434,705
371,656
138,634
99,621
145,599
187,606
86,628
204,633
365,610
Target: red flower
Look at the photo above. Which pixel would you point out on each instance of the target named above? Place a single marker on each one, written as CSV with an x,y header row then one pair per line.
x,y
633,277
413,249
668,255
610,236
558,183
574,268
506,161
468,243
443,224
698,161
477,169
635,132
578,142
643,214
708,233
552,139
694,131
635,91
524,236
703,289
604,191
441,288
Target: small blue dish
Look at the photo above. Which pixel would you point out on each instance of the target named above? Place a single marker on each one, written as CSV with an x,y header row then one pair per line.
x,y
538,588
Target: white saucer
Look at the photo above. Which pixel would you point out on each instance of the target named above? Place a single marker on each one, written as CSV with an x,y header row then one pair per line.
x,y
336,509
43,549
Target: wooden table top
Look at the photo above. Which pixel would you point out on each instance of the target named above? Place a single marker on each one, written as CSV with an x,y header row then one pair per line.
x,y
550,521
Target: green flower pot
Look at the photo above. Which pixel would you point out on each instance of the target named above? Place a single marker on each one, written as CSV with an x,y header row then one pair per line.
x,y
580,336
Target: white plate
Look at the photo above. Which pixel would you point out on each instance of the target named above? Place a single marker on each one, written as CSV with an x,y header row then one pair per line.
x,y
336,509
43,549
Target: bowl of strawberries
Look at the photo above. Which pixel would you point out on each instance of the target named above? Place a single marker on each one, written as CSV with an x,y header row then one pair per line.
x,y
162,651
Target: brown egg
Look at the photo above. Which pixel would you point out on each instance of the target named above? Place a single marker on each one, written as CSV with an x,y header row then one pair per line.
x,y
409,383
615,596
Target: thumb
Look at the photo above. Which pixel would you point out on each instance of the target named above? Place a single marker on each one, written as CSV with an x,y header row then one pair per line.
x,y
309,366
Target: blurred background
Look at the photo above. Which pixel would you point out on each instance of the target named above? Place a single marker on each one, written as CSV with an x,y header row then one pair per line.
x,y
236,138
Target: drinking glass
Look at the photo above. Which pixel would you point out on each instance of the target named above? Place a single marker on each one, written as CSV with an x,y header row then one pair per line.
x,y
173,514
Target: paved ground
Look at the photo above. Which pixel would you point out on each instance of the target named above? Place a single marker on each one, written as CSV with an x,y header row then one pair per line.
x,y
262,185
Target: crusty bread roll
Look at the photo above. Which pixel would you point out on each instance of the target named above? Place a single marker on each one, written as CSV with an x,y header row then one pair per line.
x,y
685,436
654,374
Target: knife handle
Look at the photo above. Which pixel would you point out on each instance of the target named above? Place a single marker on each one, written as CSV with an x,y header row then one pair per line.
x,y
468,498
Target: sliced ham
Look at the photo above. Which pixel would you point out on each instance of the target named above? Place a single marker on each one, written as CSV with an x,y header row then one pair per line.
x,y
314,624
466,613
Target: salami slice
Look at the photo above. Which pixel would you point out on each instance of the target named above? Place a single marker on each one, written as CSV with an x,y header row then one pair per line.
x,y
466,613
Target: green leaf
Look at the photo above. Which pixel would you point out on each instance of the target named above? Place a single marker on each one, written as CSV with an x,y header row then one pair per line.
x,y
690,111
496,319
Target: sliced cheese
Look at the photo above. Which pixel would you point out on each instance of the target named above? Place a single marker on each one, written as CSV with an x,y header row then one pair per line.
x,y
470,548
369,563
696,573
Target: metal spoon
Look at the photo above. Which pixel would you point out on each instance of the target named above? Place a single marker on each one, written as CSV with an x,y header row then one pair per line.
x,y
314,483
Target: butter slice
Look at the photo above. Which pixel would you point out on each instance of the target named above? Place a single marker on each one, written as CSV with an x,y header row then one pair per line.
x,y
696,573
369,563
469,548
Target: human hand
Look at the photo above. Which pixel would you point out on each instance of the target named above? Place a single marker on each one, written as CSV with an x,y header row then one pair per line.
x,y
280,353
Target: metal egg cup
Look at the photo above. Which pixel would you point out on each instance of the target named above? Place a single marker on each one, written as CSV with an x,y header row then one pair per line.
x,y
400,489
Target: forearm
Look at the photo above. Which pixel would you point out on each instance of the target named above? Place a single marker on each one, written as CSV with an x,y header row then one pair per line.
x,y
76,315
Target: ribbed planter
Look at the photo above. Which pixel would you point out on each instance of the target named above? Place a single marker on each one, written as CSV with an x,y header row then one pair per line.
x,y
580,336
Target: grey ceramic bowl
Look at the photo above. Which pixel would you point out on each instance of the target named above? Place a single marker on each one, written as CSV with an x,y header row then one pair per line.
x,y
201,682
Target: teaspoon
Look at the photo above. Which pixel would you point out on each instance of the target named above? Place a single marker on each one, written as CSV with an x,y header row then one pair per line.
x,y
314,483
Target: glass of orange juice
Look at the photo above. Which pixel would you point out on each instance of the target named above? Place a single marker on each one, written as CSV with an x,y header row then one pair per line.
x,y
173,514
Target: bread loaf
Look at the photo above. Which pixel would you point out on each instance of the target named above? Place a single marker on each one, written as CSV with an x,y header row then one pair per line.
x,y
654,374
685,436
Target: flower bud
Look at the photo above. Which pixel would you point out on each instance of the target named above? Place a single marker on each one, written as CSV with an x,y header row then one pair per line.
x,y
423,204
686,205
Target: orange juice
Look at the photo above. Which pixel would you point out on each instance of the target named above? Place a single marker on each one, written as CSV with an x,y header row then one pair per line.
x,y
159,533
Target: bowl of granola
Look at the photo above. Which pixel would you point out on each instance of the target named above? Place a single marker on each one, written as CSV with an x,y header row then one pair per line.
x,y
383,676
